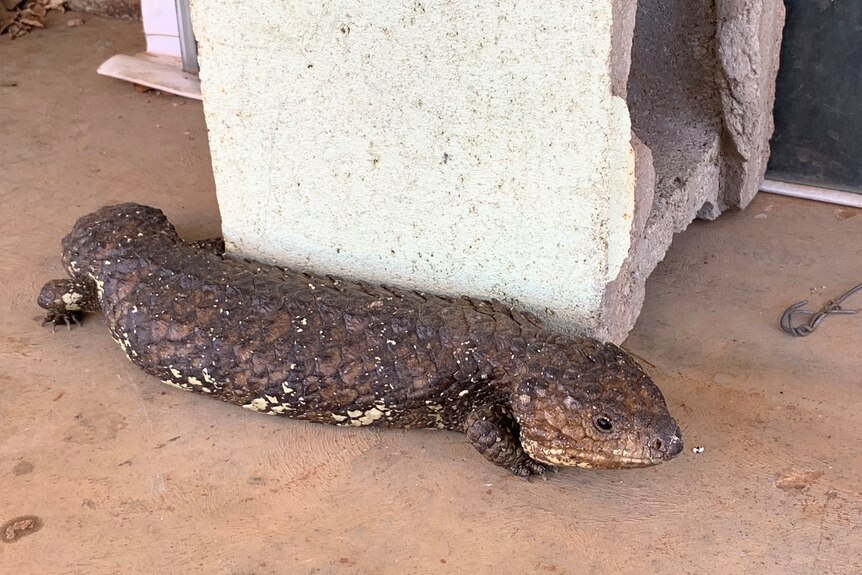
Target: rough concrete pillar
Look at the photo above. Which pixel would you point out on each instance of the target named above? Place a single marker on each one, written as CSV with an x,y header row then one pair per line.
x,y
483,148
748,44
700,92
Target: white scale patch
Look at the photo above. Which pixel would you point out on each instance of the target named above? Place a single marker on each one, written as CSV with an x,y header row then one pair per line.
x,y
172,383
257,404
72,301
437,410
359,418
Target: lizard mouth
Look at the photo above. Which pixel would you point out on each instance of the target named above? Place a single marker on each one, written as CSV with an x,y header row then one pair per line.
x,y
597,459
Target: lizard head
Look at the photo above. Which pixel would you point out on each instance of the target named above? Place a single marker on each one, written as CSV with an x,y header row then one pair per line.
x,y
68,296
600,411
68,300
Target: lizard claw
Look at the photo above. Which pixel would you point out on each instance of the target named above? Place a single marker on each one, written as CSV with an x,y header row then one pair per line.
x,y
56,318
527,468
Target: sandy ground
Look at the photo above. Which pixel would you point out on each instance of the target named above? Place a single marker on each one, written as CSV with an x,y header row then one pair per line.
x,y
126,475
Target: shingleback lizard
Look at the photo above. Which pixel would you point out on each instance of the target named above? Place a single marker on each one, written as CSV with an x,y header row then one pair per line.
x,y
342,352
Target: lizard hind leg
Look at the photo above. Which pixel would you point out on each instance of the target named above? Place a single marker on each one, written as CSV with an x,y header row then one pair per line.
x,y
67,300
494,434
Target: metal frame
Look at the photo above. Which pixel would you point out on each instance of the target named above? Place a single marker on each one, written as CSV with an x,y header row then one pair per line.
x,y
188,44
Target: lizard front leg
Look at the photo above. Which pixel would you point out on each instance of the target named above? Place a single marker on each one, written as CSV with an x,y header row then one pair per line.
x,y
494,433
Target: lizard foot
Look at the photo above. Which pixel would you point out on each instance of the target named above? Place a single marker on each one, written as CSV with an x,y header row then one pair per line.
x,y
528,468
66,317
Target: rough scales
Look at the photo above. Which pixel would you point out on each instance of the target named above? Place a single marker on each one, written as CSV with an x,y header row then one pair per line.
x,y
341,352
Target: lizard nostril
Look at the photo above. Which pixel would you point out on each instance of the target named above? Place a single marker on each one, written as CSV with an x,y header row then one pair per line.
x,y
667,446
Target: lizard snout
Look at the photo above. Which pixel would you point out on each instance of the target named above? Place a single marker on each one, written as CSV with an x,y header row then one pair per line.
x,y
668,444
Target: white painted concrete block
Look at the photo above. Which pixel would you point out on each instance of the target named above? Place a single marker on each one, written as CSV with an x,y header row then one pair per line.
x,y
457,147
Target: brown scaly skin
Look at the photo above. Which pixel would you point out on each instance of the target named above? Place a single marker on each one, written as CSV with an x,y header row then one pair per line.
x,y
348,353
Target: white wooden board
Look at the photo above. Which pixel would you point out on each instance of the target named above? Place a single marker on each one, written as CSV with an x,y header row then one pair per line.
x,y
159,72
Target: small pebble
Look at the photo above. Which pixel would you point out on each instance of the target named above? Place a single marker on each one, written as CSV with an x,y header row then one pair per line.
x,y
74,22
697,449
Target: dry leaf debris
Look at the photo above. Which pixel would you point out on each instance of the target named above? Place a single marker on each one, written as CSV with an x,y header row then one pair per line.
x,y
19,17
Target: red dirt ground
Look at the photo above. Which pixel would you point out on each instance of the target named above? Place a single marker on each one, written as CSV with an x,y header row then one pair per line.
x,y
127,475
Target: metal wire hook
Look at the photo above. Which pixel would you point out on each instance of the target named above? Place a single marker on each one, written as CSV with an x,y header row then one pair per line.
x,y
832,307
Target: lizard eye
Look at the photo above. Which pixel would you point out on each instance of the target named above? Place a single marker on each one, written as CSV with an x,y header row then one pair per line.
x,y
603,424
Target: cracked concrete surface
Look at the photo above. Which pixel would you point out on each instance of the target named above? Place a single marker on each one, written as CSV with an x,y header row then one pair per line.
x,y
700,93
128,475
